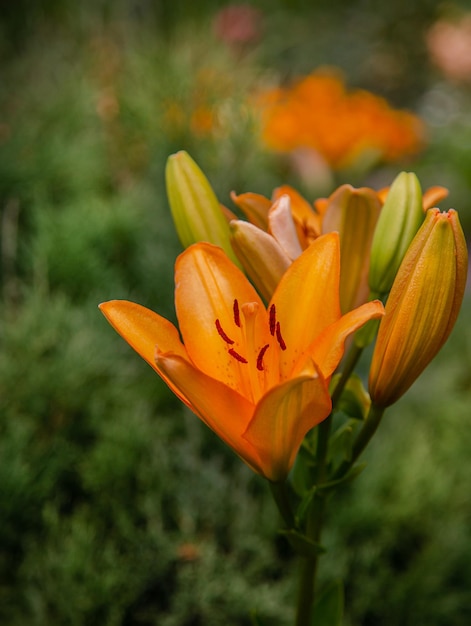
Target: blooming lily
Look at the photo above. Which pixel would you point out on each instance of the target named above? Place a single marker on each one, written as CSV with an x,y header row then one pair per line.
x,y
257,377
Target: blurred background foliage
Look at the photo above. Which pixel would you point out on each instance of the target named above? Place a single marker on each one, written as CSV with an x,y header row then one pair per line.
x,y
116,506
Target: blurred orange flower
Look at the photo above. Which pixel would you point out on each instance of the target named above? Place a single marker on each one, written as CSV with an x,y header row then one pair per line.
x,y
318,112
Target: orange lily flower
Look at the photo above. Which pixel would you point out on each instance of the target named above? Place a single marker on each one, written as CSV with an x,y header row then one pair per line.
x,y
257,377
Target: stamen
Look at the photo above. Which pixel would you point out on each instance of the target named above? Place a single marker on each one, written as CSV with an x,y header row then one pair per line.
x,y
272,320
237,356
280,339
261,354
236,313
222,333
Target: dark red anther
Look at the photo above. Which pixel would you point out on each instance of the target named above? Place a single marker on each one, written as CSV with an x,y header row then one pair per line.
x,y
222,333
237,356
280,339
272,320
261,354
236,313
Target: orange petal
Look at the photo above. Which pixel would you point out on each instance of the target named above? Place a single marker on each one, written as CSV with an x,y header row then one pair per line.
x,y
206,285
327,350
307,298
144,330
433,196
222,409
228,214
255,207
282,419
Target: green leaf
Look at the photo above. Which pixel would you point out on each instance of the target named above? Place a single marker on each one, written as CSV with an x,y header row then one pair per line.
x,y
301,544
355,400
352,473
341,444
328,609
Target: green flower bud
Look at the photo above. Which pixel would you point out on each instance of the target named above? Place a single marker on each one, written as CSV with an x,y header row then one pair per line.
x,y
195,209
400,219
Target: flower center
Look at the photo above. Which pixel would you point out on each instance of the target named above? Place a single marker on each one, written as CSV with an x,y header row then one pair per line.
x,y
248,352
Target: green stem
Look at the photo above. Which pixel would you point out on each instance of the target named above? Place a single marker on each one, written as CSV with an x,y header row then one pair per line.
x,y
369,428
307,582
349,365
366,433
281,496
309,565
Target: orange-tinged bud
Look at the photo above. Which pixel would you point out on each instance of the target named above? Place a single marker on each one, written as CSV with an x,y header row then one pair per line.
x,y
400,219
353,213
260,255
422,307
195,209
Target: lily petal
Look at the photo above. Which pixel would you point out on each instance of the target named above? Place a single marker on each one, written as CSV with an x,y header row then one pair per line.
x,y
433,195
282,419
206,285
221,408
144,330
327,349
307,298
255,207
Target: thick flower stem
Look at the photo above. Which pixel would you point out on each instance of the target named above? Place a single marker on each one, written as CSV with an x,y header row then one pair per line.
x,y
281,496
315,519
309,565
366,433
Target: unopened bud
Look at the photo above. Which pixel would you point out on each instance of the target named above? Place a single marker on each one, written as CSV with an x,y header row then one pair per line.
x,y
195,209
400,219
422,307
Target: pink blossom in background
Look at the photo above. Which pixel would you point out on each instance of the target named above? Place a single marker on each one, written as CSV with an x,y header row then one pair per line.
x,y
238,25
449,45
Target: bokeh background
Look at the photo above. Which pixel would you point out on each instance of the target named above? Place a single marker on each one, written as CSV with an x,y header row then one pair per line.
x,y
117,507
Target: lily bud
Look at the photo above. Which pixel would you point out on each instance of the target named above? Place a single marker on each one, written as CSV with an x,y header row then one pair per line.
x,y
195,209
422,307
400,219
353,213
261,256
